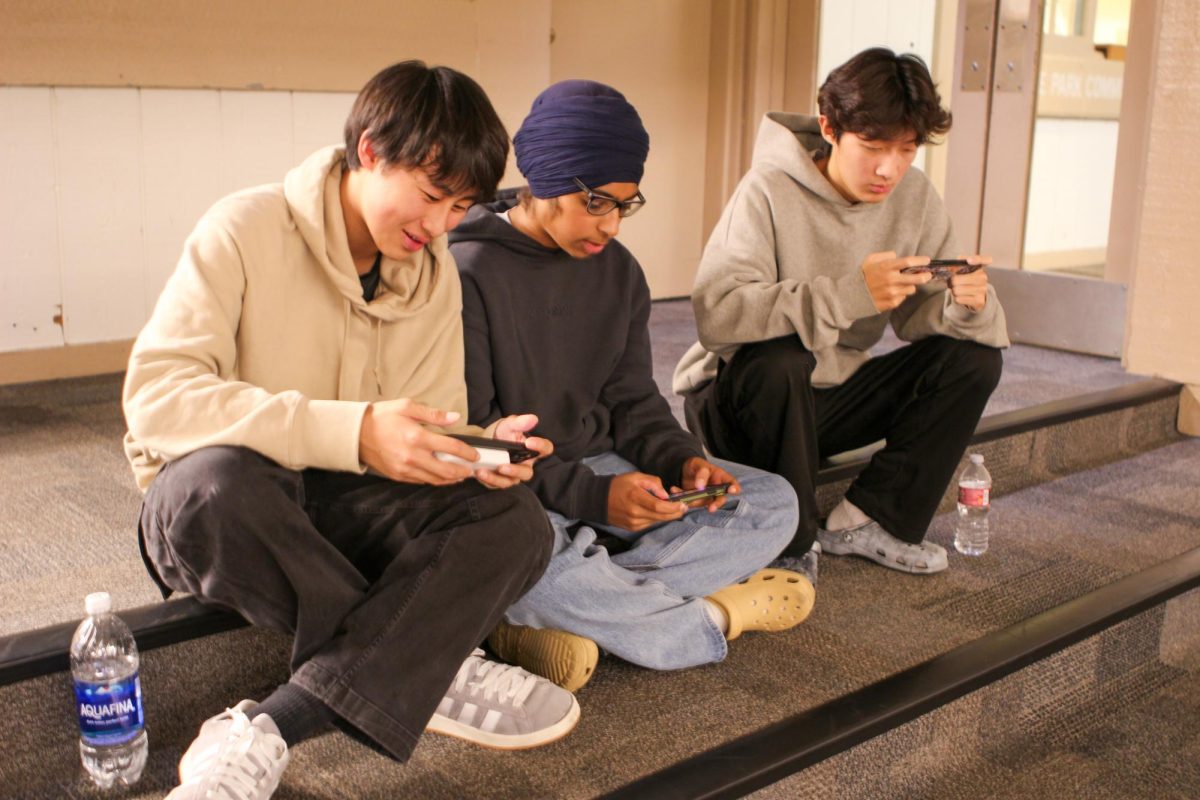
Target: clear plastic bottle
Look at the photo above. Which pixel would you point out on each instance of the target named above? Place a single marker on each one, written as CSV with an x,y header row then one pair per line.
x,y
974,505
108,696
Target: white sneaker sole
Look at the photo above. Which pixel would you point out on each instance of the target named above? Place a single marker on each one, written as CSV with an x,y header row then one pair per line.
x,y
500,741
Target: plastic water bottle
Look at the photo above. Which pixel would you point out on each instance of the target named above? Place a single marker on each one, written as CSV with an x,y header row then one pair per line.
x,y
974,505
108,695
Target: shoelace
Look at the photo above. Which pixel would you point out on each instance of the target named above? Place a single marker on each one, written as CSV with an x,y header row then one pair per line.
x,y
241,767
510,683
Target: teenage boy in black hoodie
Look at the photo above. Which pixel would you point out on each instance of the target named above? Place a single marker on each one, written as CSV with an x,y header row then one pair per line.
x,y
555,318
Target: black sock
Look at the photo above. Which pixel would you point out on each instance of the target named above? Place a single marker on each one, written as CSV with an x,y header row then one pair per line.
x,y
298,714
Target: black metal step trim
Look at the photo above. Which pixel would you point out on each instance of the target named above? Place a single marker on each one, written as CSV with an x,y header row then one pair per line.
x,y
759,759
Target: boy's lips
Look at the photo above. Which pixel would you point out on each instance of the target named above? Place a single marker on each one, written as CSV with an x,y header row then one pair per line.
x,y
592,248
411,243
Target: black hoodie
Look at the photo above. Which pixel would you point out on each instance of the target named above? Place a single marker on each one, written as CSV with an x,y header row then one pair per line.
x,y
566,339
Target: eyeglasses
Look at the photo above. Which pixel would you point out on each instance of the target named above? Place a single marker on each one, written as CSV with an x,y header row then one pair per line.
x,y
598,204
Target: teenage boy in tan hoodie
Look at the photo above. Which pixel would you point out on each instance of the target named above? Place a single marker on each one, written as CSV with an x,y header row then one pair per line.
x,y
826,241
285,403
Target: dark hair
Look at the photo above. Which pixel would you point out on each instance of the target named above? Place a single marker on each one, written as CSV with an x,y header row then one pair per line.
x,y
881,95
432,117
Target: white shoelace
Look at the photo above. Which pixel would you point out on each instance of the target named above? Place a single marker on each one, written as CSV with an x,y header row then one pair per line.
x,y
242,769
511,684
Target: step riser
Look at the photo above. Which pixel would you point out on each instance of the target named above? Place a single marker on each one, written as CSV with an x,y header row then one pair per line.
x,y
1045,454
990,739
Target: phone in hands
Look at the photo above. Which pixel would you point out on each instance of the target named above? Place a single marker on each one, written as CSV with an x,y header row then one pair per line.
x,y
492,452
692,495
943,268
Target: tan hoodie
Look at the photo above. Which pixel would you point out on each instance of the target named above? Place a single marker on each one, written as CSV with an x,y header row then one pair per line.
x,y
262,337
785,258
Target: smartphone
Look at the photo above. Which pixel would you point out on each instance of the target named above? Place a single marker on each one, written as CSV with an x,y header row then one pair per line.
x,y
691,495
944,267
517,452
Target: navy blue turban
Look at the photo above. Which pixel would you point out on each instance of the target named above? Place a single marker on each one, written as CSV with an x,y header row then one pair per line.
x,y
584,130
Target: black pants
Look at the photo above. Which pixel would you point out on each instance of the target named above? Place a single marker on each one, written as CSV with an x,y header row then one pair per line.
x,y
925,399
385,586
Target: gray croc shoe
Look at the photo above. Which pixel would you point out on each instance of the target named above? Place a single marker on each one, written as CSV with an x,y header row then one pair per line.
x,y
806,565
871,541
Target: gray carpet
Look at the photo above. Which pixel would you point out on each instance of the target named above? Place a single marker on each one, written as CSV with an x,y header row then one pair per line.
x,y
1054,541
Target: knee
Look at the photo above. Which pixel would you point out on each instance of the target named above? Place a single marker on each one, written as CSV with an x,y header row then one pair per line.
x,y
774,511
202,489
981,365
521,538
775,368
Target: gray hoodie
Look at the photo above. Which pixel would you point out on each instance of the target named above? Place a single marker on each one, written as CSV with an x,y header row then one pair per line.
x,y
786,258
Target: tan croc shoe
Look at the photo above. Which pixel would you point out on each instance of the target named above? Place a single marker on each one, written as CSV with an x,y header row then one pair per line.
x,y
769,600
560,657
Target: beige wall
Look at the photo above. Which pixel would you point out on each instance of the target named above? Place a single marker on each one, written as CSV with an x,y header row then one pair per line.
x,y
1163,336
656,53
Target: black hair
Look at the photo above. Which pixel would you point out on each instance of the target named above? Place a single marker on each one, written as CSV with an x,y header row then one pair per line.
x,y
881,95
431,117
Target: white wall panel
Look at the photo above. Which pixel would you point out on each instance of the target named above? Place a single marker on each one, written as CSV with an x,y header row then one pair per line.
x,y
1070,184
100,213
317,120
256,138
181,162
30,283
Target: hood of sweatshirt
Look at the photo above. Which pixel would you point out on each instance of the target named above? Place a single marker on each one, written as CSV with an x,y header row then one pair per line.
x,y
406,287
790,142
483,224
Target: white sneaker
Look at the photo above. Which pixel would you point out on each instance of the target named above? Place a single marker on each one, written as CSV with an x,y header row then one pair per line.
x,y
503,707
233,758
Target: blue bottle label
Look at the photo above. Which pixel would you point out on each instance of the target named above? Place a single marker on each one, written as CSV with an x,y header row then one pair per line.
x,y
110,713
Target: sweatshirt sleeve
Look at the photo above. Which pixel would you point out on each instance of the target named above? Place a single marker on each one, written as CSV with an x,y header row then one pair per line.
x,y
932,310
180,394
739,296
644,430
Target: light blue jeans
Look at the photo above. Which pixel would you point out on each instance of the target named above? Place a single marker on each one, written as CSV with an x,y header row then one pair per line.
x,y
646,604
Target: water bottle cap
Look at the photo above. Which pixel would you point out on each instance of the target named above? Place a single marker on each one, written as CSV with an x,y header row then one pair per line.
x,y
97,603
976,458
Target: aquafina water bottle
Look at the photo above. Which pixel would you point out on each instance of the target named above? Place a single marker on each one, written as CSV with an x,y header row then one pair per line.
x,y
974,505
108,695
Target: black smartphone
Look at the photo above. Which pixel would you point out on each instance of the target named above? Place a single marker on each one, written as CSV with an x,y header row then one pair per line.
x,y
691,495
517,452
944,267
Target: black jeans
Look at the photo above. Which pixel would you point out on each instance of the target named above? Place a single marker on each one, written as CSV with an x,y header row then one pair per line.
x,y
385,586
925,399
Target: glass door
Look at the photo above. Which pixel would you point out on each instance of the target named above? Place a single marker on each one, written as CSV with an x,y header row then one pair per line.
x,y
1031,161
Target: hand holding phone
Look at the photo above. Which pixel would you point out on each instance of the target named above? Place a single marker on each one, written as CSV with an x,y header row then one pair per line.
x,y
692,495
943,268
492,452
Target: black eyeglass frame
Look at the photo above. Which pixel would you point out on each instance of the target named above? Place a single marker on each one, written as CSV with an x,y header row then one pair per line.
x,y
624,208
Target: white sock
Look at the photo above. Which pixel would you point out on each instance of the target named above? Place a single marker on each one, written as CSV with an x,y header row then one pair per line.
x,y
717,614
846,515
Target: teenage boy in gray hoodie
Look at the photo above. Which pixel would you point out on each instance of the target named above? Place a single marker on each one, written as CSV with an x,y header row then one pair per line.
x,y
555,315
826,240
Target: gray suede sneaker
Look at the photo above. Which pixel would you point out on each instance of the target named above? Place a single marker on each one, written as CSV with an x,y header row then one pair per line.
x,y
872,542
503,707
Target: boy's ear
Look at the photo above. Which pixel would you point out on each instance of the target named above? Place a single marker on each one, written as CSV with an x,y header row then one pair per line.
x,y
366,151
827,131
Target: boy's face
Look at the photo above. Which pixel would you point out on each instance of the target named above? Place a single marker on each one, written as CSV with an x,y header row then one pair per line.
x,y
403,208
867,170
570,226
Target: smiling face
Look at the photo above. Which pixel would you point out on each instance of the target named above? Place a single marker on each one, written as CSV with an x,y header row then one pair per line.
x,y
565,223
395,210
866,170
